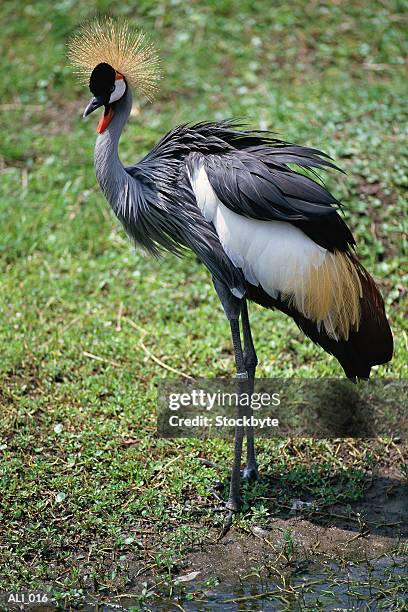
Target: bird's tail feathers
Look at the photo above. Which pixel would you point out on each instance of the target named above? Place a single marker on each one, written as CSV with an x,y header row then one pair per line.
x,y
329,293
362,336
342,310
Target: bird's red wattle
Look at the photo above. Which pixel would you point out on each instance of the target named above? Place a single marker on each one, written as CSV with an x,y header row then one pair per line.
x,y
105,121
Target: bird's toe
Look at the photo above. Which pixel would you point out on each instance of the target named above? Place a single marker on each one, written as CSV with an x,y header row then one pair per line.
x,y
227,524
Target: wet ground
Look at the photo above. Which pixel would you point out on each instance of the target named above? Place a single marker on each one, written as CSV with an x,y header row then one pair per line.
x,y
378,584
344,558
352,557
330,586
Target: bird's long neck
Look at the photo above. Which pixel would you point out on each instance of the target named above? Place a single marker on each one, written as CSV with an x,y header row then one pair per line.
x,y
109,170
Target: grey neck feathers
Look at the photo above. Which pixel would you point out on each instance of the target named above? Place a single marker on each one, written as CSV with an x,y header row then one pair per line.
x,y
110,172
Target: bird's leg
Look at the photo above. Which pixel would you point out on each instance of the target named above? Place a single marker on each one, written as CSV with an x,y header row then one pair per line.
x,y
233,502
232,308
250,362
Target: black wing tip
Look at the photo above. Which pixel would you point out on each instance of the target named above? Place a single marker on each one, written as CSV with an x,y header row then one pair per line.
x,y
239,129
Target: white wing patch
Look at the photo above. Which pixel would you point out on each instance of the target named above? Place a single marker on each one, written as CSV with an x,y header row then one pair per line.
x,y
279,257
270,253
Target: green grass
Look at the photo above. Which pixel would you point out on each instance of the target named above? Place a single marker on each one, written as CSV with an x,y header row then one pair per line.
x,y
82,473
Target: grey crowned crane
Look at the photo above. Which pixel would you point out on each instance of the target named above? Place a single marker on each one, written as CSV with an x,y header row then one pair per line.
x,y
266,232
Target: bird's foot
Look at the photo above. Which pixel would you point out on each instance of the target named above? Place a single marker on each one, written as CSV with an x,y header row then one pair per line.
x,y
250,474
231,508
226,525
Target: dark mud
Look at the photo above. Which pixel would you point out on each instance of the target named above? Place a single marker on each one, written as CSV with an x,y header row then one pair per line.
x,y
344,557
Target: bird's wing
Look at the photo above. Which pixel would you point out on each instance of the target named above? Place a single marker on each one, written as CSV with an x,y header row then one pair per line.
x,y
258,182
160,213
247,185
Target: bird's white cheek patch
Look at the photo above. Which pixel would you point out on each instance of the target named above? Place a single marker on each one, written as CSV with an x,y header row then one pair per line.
x,y
119,91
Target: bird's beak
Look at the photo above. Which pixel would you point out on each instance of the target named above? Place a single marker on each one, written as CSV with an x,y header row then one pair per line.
x,y
107,116
94,104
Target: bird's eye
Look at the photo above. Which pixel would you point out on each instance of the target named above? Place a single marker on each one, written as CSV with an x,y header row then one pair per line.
x,y
112,88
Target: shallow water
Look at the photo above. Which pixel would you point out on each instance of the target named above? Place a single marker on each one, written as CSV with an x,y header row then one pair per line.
x,y
373,585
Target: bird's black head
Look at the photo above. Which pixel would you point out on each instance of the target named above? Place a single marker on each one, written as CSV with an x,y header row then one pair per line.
x,y
102,81
108,86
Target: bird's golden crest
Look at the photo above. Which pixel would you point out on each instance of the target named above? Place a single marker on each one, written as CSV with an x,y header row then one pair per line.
x,y
123,47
